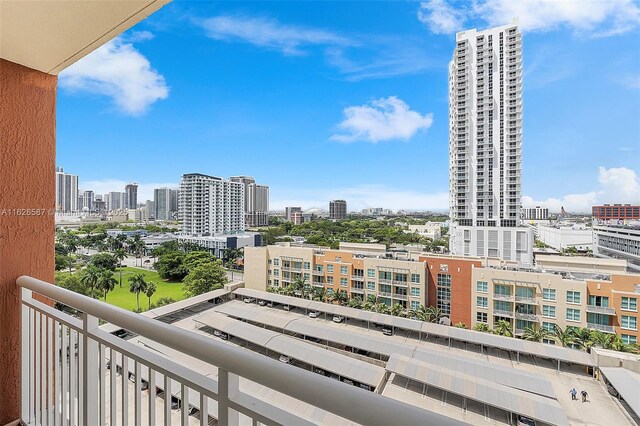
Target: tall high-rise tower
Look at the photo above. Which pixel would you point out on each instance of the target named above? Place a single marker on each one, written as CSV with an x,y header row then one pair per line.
x,y
131,196
66,191
485,145
209,205
337,209
256,201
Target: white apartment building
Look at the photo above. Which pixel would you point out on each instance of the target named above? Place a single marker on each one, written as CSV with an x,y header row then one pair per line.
x,y
618,242
256,201
66,191
165,203
485,145
209,205
115,200
431,230
535,213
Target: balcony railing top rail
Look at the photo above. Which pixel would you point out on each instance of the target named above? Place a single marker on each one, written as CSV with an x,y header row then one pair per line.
x,y
346,401
600,310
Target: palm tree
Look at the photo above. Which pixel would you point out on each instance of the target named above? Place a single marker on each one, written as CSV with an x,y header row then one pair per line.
x,y
381,308
601,339
137,285
355,302
367,306
372,298
482,327
583,337
503,328
90,277
319,294
120,255
422,313
151,288
434,314
340,296
106,282
535,333
460,325
299,285
564,337
396,310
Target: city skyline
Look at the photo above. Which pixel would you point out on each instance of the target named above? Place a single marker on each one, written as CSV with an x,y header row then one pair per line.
x,y
341,91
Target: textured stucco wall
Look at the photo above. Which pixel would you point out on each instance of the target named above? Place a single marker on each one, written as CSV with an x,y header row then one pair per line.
x,y
27,164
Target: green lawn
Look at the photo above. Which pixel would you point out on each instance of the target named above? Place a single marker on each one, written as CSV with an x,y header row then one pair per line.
x,y
123,298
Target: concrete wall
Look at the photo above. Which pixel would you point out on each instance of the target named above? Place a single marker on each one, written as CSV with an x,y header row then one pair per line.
x,y
27,166
255,268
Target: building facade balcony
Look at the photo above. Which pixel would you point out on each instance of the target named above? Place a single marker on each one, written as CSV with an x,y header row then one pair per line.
x,y
357,278
592,309
506,297
399,296
601,327
400,283
317,273
502,313
527,317
384,294
526,300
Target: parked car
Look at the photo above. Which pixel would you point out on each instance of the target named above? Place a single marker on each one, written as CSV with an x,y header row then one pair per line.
x,y
249,300
387,331
525,421
271,304
365,387
285,359
319,371
220,334
348,381
261,302
287,307
338,318
314,314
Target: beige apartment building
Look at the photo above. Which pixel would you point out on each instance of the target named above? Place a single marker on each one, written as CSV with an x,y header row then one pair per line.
x,y
525,298
354,271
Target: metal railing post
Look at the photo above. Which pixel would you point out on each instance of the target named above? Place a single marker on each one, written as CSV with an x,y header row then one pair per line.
x,y
228,387
90,359
25,358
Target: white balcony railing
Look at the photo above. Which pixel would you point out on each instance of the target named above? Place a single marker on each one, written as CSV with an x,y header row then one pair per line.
x,y
601,327
601,310
74,372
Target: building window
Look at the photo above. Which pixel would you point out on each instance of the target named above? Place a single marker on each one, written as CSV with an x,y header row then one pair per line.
x,y
549,341
482,286
548,311
276,282
443,293
629,304
573,297
599,301
371,273
549,294
307,265
415,291
415,304
482,317
269,261
384,275
343,282
573,314
319,268
415,278
329,268
628,323
503,290
629,339
276,272
371,285
549,326
306,276
330,280
482,302
343,270
276,262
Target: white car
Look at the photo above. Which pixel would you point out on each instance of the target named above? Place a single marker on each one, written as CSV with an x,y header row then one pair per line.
x,y
338,318
387,331
287,307
285,359
249,300
262,302
525,421
314,314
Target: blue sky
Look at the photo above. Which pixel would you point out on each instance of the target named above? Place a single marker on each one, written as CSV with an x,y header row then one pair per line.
x,y
323,100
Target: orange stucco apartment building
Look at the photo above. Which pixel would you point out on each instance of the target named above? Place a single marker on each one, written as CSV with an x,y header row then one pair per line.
x,y
567,292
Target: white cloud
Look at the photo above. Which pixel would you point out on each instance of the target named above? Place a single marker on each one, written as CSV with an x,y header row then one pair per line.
x,y
360,197
117,70
137,36
615,185
600,18
104,186
269,33
441,17
381,120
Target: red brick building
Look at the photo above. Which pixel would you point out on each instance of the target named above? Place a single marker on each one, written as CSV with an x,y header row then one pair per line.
x,y
615,212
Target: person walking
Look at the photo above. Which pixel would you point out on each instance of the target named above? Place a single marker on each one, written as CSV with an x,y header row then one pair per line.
x,y
584,395
573,393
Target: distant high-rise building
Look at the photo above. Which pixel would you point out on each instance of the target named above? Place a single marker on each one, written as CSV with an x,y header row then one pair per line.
x,y
337,209
209,205
66,191
485,146
87,200
535,213
150,209
256,201
289,211
131,196
165,203
115,200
